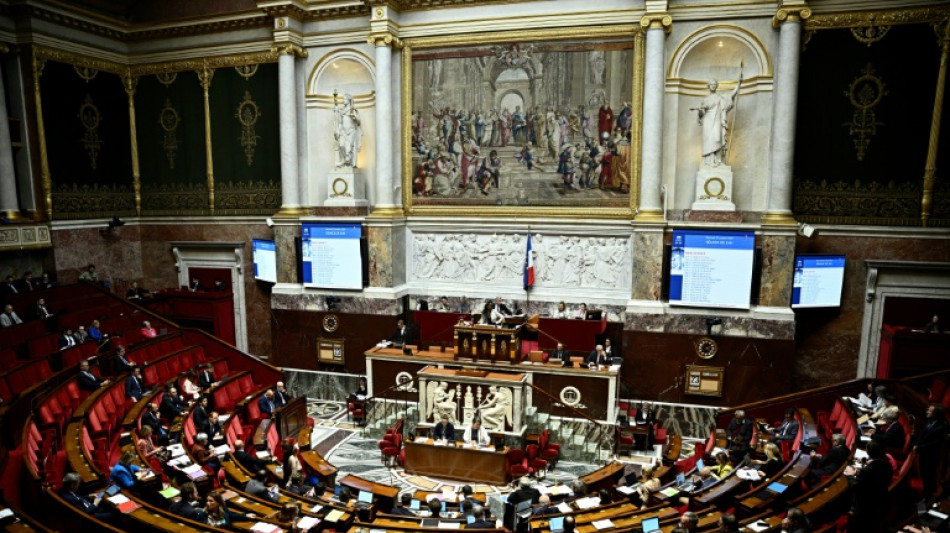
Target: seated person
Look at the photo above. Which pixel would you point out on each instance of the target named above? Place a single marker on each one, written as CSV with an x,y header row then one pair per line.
x,y
581,313
172,404
444,430
9,286
773,461
288,515
402,507
188,387
401,336
345,496
298,486
88,381
828,464
266,402
476,433
41,310
891,434
788,429
200,416
214,428
609,350
444,306
96,333
27,283
9,317
560,355
435,508
888,405
525,492
722,467
66,340
88,504
153,419
202,454
597,357
480,522
649,484
124,472
220,286
218,513
134,387
189,504
422,305
258,487
795,521
544,506
195,285
248,461
561,311
206,377
704,479
604,496
147,330
89,274
120,361
148,448
80,335
466,508
136,293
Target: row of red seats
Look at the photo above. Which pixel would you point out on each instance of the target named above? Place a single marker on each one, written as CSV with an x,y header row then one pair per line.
x,y
18,379
231,393
142,355
45,458
56,408
173,364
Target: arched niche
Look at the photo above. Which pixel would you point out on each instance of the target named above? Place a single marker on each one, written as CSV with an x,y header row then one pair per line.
x,y
714,53
344,70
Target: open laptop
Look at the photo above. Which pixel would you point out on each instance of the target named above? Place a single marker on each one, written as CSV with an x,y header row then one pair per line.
x,y
699,464
682,484
650,525
556,524
773,489
364,499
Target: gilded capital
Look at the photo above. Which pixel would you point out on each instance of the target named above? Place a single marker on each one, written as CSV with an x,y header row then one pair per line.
x,y
384,39
288,49
4,48
657,20
790,14
129,82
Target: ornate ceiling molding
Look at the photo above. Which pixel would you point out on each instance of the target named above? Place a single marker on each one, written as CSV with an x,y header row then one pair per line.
x,y
824,21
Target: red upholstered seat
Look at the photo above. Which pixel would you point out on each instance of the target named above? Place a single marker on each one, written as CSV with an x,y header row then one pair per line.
x,y
516,465
355,413
660,436
392,450
624,441
550,451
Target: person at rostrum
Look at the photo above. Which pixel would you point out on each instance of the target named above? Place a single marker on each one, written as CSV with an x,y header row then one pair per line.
x,y
597,357
444,430
560,355
88,504
476,433
401,336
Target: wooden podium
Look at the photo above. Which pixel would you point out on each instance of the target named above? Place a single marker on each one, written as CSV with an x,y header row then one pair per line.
x,y
488,343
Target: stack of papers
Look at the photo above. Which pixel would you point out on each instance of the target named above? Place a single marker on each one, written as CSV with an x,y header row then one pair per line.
x,y
169,492
564,508
749,474
588,502
264,527
194,471
176,450
558,490
334,516
450,525
448,495
756,526
602,524
118,499
221,450
307,522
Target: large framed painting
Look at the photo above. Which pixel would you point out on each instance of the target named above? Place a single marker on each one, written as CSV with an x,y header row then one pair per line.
x,y
544,123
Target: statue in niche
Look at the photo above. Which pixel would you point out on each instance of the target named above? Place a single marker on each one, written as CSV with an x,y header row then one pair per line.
x,y
496,408
441,401
347,130
597,67
712,117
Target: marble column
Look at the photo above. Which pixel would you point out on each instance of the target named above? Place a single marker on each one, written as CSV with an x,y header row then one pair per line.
x,y
384,119
9,204
397,124
656,27
287,109
781,156
303,155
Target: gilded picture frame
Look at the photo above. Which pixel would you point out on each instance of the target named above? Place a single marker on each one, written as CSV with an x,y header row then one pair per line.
x,y
505,71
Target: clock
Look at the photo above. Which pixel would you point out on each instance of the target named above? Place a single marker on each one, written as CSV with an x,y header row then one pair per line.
x,y
706,348
330,323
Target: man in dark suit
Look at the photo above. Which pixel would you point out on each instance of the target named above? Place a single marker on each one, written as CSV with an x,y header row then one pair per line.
x,y
646,417
930,442
870,492
422,305
172,404
480,521
444,430
8,287
195,285
281,396
597,357
892,434
560,354
66,340
200,417
402,506
87,380
825,465
41,311
609,350
524,492
739,433
70,493
120,362
187,505
134,388
401,336
152,419
788,430
248,461
206,377
266,402
26,284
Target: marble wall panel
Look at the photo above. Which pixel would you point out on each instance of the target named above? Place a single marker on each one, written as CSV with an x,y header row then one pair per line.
x,y
116,254
322,385
380,256
778,260
647,265
286,252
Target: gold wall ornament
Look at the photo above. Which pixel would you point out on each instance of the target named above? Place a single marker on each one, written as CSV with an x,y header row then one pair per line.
x,y
930,168
169,120
174,199
75,201
288,49
247,114
246,71
246,197
90,117
130,83
822,21
657,20
204,78
166,78
86,73
857,202
45,178
865,93
870,34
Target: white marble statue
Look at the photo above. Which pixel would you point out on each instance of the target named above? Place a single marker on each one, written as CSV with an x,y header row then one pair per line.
x,y
496,409
347,130
441,402
712,117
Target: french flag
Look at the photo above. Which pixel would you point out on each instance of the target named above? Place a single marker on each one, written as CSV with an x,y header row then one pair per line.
x,y
529,266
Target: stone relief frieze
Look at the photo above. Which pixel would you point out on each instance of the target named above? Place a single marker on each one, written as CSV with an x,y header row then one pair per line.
x,y
559,260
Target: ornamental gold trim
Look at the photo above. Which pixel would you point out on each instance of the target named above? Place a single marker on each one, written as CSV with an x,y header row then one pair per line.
x,y
790,14
247,115
90,118
562,210
864,93
247,71
657,20
164,70
288,49
86,73
824,21
169,120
